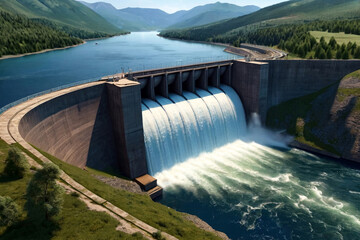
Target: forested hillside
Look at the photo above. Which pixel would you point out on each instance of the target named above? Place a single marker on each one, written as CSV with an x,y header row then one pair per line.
x,y
287,26
296,11
62,12
145,19
296,39
20,35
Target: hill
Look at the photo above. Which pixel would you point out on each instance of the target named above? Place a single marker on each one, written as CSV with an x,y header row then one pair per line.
x,y
65,13
283,13
209,13
19,35
142,19
122,20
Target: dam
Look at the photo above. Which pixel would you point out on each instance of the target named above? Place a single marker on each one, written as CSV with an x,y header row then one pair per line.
x,y
101,125
188,126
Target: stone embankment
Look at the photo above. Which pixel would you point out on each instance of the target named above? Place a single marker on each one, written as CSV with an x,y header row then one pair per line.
x,y
256,52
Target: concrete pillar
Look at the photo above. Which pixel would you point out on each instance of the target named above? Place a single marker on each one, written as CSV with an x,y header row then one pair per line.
x,y
204,79
125,110
227,75
150,88
215,77
250,81
190,83
164,87
177,85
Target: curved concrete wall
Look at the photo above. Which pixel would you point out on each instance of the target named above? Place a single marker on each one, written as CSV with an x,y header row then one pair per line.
x,y
75,127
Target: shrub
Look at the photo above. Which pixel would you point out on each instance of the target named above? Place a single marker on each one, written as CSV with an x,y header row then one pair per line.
x,y
16,165
43,193
157,235
9,211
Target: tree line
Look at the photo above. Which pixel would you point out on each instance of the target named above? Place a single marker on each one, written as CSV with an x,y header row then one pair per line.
x,y
20,35
294,38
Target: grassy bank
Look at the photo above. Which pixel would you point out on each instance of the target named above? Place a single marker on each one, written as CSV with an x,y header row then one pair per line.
x,y
339,37
75,221
140,206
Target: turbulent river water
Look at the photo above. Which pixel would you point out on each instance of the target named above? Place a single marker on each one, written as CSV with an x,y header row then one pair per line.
x,y
244,182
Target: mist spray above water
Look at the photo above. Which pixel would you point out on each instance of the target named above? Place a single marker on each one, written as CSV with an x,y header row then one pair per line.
x,y
237,181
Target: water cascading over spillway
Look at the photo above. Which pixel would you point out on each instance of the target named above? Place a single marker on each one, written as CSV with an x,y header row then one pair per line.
x,y
182,127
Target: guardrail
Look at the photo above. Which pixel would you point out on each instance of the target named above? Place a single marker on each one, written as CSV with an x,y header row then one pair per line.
x,y
180,62
10,105
138,68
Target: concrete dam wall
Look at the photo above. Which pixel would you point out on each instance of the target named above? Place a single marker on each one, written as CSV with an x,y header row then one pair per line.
x,y
75,127
102,126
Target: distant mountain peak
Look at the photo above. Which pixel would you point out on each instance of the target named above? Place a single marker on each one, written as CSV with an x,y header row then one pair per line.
x,y
140,19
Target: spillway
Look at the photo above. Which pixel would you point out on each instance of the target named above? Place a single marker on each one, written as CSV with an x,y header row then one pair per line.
x,y
182,127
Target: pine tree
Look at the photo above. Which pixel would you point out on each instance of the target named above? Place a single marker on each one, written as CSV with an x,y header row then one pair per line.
x,y
322,54
357,53
332,42
338,54
329,54
345,54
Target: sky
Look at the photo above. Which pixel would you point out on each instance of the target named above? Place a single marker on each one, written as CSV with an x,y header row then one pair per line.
x,y
171,6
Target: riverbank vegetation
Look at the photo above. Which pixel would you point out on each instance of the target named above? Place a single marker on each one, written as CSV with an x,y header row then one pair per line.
x,y
19,35
75,220
157,215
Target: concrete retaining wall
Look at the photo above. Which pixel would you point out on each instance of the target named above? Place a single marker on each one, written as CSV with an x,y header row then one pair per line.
x,y
250,81
125,110
290,79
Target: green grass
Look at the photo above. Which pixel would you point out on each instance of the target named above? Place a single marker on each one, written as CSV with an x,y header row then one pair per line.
x,y
340,37
140,206
75,221
345,93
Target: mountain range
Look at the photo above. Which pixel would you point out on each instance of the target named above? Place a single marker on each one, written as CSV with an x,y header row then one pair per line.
x,y
293,11
142,19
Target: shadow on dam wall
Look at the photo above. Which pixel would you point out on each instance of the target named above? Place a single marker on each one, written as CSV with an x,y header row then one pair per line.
x,y
101,126
75,127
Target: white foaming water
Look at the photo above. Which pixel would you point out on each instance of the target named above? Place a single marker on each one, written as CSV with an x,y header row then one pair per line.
x,y
202,155
180,128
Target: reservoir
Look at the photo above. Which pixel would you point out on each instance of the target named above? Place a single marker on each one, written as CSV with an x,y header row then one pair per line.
x,y
21,77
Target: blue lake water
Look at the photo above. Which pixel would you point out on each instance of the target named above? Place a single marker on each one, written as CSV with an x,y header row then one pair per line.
x,y
20,77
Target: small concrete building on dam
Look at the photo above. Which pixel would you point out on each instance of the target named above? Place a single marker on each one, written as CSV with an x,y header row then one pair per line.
x,y
100,124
